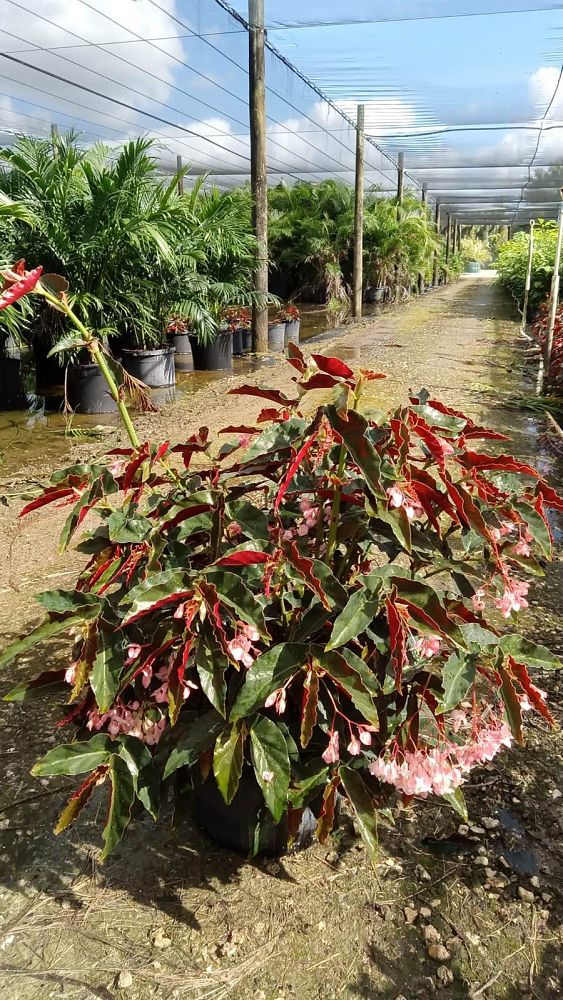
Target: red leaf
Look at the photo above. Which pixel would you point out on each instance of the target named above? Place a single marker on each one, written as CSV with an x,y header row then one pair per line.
x,y
503,463
468,512
370,376
197,442
246,558
332,366
134,465
51,494
534,695
161,451
271,414
549,496
470,429
435,445
305,567
79,798
295,357
402,439
273,394
320,380
397,639
243,429
284,485
183,515
177,598
309,704
326,816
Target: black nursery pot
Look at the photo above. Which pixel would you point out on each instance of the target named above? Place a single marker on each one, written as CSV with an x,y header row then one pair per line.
x,y
246,825
237,343
246,340
49,373
154,367
12,391
292,328
180,342
216,356
87,390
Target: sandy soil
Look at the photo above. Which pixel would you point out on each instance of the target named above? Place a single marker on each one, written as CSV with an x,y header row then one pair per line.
x,y
170,915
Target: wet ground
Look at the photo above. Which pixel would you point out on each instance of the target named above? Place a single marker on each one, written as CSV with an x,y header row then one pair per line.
x,y
177,918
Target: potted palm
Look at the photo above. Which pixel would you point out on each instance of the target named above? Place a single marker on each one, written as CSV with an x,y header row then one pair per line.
x,y
306,620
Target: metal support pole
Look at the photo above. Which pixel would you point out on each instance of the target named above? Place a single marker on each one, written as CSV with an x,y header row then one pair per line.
x,y
180,179
436,252
554,299
423,201
54,136
400,189
448,244
359,215
258,166
527,286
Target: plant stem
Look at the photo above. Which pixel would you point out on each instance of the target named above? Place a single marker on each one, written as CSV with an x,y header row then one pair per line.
x,y
92,344
336,500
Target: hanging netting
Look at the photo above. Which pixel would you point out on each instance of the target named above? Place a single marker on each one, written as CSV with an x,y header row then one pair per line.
x,y
469,90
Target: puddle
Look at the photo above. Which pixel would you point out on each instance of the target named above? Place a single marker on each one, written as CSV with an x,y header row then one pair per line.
x,y
516,853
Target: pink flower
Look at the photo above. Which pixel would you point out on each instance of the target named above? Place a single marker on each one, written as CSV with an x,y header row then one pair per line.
x,y
513,598
507,527
365,737
458,720
354,747
146,676
332,754
240,647
70,673
133,651
428,646
268,776
477,600
303,530
522,548
288,535
278,700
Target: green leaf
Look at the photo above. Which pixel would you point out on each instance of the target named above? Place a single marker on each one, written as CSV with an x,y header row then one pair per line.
x,y
276,437
457,677
399,523
254,522
364,809
306,787
140,762
60,602
349,679
35,687
456,800
200,736
125,527
424,605
437,419
271,764
511,705
530,653
536,524
211,665
122,797
157,589
358,613
353,433
228,759
44,631
337,594
106,671
236,594
268,672
75,758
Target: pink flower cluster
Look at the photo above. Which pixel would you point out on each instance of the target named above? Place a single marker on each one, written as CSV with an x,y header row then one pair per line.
x,y
428,646
355,745
310,518
513,599
129,720
406,498
441,769
241,648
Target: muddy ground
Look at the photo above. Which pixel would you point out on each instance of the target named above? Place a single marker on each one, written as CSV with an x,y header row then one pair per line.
x,y
171,916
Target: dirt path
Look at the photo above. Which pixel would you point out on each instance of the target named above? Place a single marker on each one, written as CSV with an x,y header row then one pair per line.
x,y
190,922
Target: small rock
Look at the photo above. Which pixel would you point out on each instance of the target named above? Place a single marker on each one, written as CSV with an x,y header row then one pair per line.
x,y
429,983
273,868
445,975
401,996
160,939
421,874
463,830
481,850
435,903
478,830
431,934
472,939
489,823
124,980
321,926
425,912
525,895
544,914
438,952
490,873
332,857
556,794
482,861
454,944
502,861
546,897
410,914
535,882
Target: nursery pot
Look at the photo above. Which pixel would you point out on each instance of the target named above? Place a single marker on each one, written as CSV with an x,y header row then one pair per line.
x,y
292,328
216,356
246,340
48,370
472,267
154,367
87,390
276,336
237,343
12,392
246,825
180,342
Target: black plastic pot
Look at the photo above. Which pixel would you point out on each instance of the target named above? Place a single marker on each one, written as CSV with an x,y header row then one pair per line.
x,y
247,340
237,343
154,367
276,336
87,390
180,342
48,370
216,356
246,826
292,328
12,391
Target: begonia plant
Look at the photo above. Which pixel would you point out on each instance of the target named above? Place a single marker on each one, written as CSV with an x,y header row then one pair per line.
x,y
306,603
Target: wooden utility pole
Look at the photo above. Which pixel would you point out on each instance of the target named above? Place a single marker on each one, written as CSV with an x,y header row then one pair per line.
x,y
436,252
528,284
423,201
553,299
359,215
258,166
180,179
